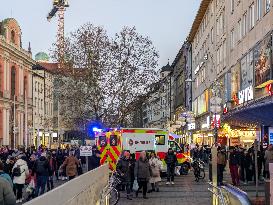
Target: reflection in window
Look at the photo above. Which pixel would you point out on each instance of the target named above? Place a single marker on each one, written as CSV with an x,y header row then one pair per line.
x,y
160,139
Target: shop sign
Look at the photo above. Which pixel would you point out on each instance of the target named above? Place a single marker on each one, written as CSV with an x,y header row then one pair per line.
x,y
206,125
270,130
222,140
245,95
269,89
191,126
216,121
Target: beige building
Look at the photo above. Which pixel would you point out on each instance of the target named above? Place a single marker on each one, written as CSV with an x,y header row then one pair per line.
x,y
232,44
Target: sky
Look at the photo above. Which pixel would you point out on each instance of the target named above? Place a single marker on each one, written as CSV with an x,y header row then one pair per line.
x,y
166,22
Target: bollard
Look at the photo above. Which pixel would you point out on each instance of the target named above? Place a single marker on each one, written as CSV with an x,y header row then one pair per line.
x,y
267,192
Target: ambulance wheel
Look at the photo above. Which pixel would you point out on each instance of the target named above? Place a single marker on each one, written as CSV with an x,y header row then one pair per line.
x,y
184,169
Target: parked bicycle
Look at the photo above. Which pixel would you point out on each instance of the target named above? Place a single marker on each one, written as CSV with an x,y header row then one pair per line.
x,y
199,169
111,191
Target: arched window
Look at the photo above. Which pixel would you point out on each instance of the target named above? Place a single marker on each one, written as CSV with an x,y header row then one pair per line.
x,y
13,81
12,37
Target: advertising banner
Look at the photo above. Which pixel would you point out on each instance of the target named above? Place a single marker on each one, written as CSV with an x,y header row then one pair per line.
x,y
262,59
235,82
247,69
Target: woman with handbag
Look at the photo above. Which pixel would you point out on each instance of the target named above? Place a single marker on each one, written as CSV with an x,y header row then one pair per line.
x,y
142,173
156,165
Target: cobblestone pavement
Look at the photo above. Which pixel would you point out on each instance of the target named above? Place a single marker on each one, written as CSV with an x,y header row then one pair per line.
x,y
185,192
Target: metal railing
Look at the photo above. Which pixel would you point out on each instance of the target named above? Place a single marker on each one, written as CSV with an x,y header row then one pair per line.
x,y
218,193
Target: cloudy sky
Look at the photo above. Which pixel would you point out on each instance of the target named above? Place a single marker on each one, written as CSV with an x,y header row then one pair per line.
x,y
166,22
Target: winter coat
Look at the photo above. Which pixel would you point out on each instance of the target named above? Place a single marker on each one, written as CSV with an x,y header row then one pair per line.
x,y
142,170
268,158
41,167
93,162
156,166
7,196
171,159
221,158
123,169
234,158
7,177
71,163
24,172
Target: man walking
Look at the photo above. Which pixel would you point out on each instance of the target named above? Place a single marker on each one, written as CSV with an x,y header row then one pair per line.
x,y
233,166
171,161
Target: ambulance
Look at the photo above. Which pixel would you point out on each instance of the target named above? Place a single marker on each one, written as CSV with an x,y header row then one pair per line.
x,y
112,143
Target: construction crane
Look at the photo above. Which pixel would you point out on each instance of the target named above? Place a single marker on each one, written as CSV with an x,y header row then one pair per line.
x,y
59,7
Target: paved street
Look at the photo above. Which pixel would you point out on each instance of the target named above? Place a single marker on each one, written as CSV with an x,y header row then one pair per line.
x,y
185,191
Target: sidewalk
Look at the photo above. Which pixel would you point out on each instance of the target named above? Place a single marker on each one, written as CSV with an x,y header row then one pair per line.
x,y
185,192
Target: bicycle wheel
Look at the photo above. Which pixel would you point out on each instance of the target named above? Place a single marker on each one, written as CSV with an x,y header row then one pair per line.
x,y
114,196
201,174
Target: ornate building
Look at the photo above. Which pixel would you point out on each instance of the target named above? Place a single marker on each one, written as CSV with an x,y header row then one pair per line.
x,y
15,86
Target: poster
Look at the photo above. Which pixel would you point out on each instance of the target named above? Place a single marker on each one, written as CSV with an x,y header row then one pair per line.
x,y
262,58
235,82
247,68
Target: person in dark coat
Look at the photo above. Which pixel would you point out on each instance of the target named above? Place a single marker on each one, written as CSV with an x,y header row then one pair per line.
x,y
248,166
59,159
132,170
234,160
142,173
94,160
171,161
124,171
7,196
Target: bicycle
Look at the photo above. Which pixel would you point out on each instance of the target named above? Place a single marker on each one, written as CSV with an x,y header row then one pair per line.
x,y
111,193
199,170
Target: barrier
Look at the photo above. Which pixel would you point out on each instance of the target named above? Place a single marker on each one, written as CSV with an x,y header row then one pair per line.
x,y
83,190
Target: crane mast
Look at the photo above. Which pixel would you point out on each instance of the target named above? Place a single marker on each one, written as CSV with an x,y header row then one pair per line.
x,y
59,6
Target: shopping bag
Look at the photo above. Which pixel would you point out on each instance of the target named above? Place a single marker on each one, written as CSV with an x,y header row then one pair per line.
x,y
31,187
177,170
135,185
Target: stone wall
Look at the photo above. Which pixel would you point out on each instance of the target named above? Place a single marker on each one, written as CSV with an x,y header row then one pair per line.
x,y
83,190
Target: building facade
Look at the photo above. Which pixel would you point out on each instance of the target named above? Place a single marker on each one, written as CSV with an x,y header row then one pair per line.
x,y
232,44
15,86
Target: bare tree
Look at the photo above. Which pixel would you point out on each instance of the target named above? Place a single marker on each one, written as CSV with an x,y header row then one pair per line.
x,y
101,77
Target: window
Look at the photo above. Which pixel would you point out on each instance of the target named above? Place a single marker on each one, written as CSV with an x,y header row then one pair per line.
x,y
103,141
244,24
13,81
12,36
251,16
160,139
113,140
232,39
258,9
240,29
267,6
232,6
211,35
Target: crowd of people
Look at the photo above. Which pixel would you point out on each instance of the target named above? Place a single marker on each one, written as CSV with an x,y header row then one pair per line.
x,y
242,163
145,172
31,172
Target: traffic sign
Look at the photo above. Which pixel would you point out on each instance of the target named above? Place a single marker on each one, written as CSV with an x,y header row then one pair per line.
x,y
86,151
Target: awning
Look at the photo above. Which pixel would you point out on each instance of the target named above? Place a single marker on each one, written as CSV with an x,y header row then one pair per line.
x,y
257,113
175,136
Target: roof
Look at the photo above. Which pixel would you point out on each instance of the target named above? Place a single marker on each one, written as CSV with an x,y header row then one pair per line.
x,y
198,19
41,57
166,68
51,67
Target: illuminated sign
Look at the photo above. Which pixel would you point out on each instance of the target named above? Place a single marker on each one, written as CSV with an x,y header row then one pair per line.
x,y
206,125
191,126
216,121
269,89
245,95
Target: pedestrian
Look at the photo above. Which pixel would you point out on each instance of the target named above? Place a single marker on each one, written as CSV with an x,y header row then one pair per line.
x,y
171,162
59,159
156,166
31,163
71,163
7,196
20,172
234,166
268,159
132,170
94,160
5,175
53,166
41,169
221,164
9,165
124,171
142,173
248,164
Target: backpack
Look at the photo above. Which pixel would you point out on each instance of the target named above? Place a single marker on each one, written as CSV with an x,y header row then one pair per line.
x,y
17,171
41,167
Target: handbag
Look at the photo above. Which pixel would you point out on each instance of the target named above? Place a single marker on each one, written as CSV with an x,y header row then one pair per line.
x,y
31,187
135,185
154,172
